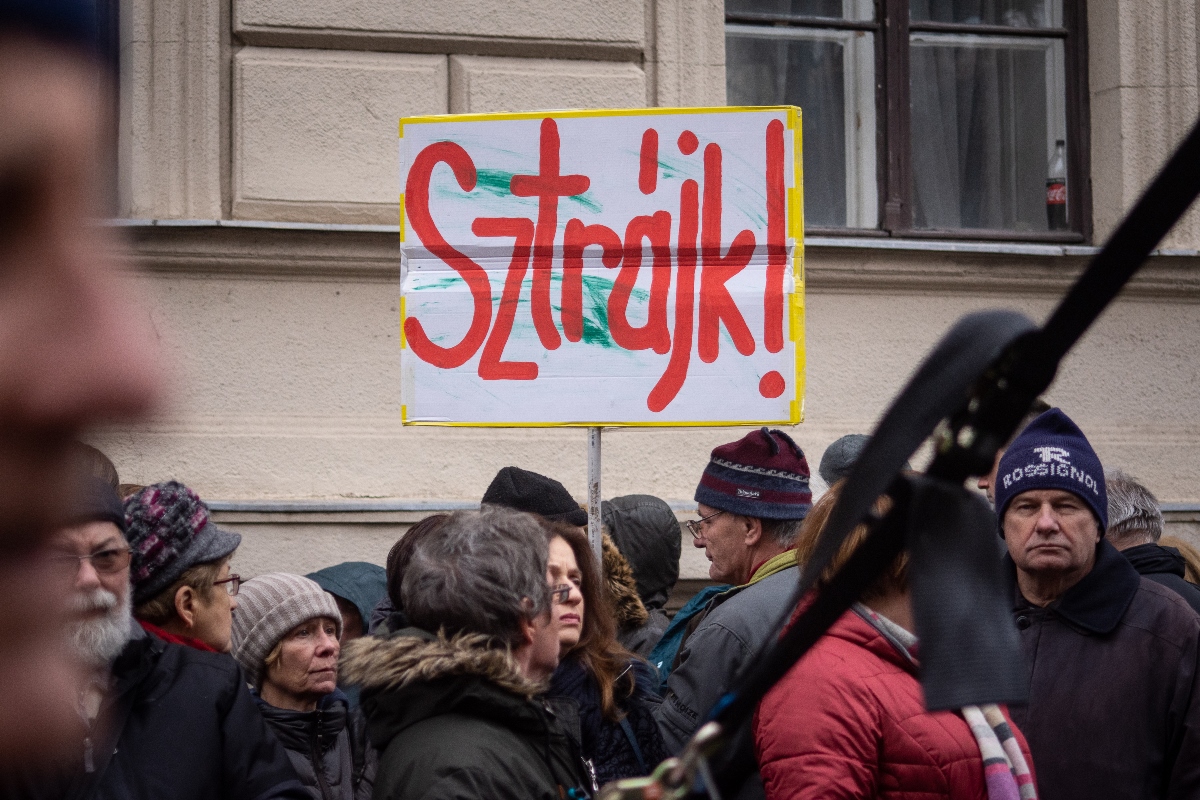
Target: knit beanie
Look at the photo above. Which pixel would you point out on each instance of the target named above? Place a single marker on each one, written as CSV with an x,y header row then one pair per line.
x,y
1052,453
523,490
764,474
170,532
268,607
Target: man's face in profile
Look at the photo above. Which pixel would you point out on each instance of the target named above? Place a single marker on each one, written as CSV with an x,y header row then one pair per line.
x,y
73,351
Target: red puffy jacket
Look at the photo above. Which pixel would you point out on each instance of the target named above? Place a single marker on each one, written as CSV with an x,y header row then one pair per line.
x,y
849,721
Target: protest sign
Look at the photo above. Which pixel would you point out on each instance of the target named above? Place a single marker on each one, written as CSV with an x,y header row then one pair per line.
x,y
640,267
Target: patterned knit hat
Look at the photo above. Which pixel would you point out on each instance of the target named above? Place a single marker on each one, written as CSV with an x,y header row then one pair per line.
x,y
170,532
764,474
268,607
1052,453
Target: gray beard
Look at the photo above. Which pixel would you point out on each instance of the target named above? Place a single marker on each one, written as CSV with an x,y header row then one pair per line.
x,y
97,642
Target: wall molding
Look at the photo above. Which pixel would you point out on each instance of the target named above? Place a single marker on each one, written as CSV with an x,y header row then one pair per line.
x,y
304,251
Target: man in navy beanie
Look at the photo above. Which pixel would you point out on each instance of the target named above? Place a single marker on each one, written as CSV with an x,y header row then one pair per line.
x,y
1114,701
751,500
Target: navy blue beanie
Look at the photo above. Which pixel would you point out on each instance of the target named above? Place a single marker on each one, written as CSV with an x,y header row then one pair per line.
x,y
1052,453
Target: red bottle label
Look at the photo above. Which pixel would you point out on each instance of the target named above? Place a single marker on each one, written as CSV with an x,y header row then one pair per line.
x,y
1056,194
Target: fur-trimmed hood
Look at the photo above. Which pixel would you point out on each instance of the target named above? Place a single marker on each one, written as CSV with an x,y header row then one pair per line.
x,y
622,588
415,656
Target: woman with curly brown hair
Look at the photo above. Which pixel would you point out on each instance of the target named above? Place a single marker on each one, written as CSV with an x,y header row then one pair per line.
x,y
613,687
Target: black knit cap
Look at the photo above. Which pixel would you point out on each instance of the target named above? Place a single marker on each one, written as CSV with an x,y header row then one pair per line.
x,y
96,501
523,490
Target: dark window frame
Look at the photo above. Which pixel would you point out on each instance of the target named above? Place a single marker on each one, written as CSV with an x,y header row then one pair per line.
x,y
893,109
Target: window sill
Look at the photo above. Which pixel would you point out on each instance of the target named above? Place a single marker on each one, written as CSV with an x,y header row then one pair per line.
x,y
959,246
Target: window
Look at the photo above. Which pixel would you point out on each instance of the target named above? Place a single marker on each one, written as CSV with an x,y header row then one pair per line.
x,y
926,117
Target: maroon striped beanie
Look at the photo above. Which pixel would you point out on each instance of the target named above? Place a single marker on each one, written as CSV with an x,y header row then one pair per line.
x,y
764,474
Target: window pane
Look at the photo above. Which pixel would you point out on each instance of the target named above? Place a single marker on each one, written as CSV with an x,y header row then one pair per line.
x,y
986,113
858,10
830,75
1014,13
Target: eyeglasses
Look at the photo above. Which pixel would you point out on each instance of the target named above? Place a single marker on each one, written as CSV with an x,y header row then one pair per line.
x,y
104,561
231,584
561,593
696,526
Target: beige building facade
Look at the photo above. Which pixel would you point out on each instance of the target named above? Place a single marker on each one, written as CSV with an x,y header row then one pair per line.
x,y
259,191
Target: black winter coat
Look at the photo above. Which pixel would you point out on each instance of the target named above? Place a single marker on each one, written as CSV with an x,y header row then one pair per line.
x,y
607,744
1164,565
179,724
328,747
1114,699
455,720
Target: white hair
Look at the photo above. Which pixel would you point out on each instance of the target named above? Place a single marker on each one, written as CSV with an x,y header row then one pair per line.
x,y
97,642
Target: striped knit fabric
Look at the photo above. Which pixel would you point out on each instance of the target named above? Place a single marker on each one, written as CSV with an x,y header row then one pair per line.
x,y
1004,767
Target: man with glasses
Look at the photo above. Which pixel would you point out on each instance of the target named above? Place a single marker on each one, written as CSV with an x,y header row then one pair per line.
x,y
158,720
183,591
751,500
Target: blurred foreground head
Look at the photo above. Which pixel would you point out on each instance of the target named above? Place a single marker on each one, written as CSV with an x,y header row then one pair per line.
x,y
72,350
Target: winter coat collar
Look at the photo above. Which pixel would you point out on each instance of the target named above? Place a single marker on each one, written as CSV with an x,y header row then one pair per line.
x,y
772,565
296,729
853,628
1151,559
1098,602
413,676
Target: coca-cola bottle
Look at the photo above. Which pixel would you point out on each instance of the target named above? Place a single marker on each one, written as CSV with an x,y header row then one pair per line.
x,y
1056,188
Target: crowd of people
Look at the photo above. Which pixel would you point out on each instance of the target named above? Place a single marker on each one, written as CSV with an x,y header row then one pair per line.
x,y
496,656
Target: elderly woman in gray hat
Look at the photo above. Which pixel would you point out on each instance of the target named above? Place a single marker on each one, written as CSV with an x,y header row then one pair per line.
x,y
285,636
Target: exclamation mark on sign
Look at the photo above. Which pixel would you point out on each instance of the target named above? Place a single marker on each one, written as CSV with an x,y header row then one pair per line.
x,y
772,384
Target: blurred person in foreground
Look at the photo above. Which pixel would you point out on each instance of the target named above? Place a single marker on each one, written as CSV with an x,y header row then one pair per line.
x,y
73,350
452,701
287,638
1114,696
1135,526
162,720
849,720
388,615
183,591
613,689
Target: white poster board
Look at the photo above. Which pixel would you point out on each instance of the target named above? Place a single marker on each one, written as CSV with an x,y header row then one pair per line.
x,y
640,267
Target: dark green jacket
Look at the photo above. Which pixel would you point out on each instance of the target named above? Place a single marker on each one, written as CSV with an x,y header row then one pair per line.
x,y
454,720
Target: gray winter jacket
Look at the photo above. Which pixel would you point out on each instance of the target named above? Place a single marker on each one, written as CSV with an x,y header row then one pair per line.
x,y
736,624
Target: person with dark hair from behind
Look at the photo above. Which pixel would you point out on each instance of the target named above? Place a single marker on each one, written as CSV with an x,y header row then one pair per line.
x,y
452,701
388,615
614,690
161,720
645,531
1135,525
183,591
74,349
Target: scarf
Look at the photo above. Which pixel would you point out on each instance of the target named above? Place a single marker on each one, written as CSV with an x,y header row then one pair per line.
x,y
174,638
1005,772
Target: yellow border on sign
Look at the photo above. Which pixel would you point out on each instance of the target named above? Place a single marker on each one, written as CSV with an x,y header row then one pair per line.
x,y
795,202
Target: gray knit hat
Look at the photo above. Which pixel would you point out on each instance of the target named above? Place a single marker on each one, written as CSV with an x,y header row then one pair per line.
x,y
268,607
